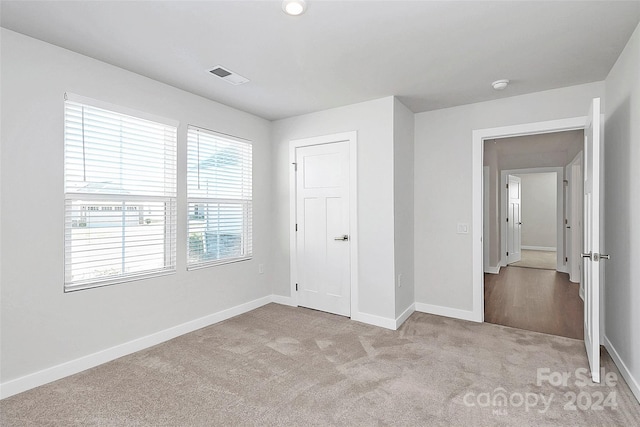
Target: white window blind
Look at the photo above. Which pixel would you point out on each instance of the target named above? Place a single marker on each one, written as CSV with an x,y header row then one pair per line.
x,y
120,195
219,192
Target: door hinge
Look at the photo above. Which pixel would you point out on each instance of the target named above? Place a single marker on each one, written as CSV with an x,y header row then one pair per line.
x,y
507,253
507,186
566,259
296,227
296,287
507,219
295,166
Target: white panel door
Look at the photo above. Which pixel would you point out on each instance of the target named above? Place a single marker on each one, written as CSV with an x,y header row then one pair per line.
x,y
514,220
322,237
591,242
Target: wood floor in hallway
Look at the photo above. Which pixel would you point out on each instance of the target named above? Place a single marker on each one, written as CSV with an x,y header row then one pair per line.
x,y
535,300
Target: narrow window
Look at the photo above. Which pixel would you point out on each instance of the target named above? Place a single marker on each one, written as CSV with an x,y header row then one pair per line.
x,y
219,193
120,194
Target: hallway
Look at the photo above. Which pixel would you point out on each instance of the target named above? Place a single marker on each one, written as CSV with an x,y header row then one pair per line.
x,y
544,260
534,299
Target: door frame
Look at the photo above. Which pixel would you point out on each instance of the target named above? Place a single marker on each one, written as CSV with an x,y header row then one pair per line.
x,y
351,138
560,265
486,191
477,156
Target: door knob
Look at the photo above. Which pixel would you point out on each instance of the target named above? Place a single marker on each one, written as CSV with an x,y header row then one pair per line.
x,y
596,256
343,237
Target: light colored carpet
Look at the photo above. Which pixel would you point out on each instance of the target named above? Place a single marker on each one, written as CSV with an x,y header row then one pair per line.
x,y
289,366
545,260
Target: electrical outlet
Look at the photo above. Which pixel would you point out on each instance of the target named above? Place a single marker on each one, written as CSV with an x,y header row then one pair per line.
x,y
463,228
261,268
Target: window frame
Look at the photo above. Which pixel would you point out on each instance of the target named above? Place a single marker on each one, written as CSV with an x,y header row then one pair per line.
x,y
197,201
110,199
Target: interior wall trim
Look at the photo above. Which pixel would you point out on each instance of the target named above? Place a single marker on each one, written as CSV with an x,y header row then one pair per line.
x,y
454,313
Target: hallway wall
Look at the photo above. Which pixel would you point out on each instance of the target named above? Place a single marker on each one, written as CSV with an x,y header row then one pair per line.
x,y
539,210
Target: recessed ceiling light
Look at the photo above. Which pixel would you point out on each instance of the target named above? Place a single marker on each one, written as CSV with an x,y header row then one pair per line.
x,y
500,84
294,7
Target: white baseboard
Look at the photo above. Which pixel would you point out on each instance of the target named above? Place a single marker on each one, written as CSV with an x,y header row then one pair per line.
x,y
279,299
372,319
446,311
492,270
633,384
83,363
539,248
369,319
405,315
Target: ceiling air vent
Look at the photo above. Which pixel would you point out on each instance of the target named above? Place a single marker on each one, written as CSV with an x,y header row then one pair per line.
x,y
228,75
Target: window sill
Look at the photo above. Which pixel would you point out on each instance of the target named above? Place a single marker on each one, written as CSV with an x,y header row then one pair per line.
x,y
200,266
117,280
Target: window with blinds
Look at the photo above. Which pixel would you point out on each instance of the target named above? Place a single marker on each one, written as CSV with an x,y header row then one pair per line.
x,y
219,193
120,194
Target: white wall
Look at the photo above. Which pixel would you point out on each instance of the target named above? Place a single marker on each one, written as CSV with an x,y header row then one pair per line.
x,y
443,186
41,325
403,144
539,209
621,208
373,121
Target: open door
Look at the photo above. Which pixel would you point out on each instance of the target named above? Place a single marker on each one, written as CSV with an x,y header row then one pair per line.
x,y
591,279
514,219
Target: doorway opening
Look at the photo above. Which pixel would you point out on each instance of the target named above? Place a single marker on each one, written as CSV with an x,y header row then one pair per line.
x,y
478,138
533,215
535,227
529,191
592,284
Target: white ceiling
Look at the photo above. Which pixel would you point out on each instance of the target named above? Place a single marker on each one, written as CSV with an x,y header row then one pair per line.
x,y
431,54
566,141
